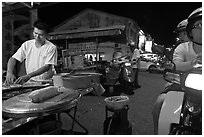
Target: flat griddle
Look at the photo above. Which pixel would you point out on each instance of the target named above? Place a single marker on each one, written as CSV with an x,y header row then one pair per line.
x,y
22,106
33,85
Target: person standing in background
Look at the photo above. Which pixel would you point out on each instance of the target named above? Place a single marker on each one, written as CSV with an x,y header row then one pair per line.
x,y
135,59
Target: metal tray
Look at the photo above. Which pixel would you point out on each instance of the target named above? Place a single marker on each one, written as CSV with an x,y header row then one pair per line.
x,y
22,106
24,86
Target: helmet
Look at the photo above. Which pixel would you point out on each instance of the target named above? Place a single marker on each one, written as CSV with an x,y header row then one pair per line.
x,y
181,26
194,16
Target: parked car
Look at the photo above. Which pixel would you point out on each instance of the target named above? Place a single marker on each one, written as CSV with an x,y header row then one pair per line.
x,y
150,56
147,65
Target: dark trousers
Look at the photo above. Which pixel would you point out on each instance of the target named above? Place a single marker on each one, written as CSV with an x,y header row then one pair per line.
x,y
136,71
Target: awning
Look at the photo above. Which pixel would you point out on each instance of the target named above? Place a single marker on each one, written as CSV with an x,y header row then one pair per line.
x,y
87,33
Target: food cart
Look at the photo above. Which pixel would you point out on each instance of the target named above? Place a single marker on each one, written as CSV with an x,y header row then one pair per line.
x,y
23,116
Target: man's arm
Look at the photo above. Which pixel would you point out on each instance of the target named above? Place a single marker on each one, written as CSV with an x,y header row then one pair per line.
x,y
10,77
178,59
184,66
11,65
189,65
39,71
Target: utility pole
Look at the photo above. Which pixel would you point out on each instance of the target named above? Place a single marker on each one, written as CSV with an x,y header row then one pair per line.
x,y
33,18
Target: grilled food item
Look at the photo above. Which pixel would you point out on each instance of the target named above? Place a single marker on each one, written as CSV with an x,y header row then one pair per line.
x,y
40,95
60,97
7,86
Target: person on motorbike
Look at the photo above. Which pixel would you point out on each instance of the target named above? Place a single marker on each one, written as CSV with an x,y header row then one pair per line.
x,y
182,37
186,56
180,32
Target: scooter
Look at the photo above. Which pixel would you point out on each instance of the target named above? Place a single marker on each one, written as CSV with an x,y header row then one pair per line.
x,y
181,112
120,73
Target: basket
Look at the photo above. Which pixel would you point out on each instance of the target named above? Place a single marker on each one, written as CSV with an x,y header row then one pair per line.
x,y
117,102
76,81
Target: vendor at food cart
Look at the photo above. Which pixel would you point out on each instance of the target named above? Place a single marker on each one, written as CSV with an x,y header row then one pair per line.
x,y
40,56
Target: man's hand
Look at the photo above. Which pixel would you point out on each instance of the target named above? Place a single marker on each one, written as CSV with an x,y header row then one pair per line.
x,y
22,79
197,62
199,58
10,78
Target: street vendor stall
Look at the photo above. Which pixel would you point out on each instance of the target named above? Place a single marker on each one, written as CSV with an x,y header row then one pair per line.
x,y
25,106
21,110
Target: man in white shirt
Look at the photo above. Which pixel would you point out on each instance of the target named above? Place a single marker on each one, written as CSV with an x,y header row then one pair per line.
x,y
135,59
40,56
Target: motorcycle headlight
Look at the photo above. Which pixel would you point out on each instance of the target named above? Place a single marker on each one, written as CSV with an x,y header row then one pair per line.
x,y
127,64
194,81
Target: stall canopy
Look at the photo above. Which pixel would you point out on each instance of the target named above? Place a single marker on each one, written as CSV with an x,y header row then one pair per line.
x,y
100,33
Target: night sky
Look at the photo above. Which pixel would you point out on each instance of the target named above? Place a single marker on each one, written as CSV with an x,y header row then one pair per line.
x,y
159,19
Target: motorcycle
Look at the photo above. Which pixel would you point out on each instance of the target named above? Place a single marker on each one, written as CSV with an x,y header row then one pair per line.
x,y
121,73
181,112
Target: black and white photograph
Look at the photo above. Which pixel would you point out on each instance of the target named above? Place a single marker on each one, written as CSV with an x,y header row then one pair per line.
x,y
101,68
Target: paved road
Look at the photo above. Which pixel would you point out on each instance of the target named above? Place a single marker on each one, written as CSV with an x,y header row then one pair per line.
x,y
91,109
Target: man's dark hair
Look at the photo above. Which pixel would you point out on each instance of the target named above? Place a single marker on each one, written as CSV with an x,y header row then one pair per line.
x,y
41,25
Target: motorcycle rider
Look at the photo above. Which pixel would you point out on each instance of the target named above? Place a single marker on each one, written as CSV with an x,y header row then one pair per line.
x,y
181,38
180,31
186,56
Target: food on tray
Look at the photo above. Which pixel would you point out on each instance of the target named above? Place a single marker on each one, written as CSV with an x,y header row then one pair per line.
x,y
25,85
80,74
6,86
40,95
40,81
31,84
15,85
60,97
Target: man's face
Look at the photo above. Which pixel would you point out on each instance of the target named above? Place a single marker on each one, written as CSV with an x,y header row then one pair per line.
x,y
183,36
197,31
39,35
